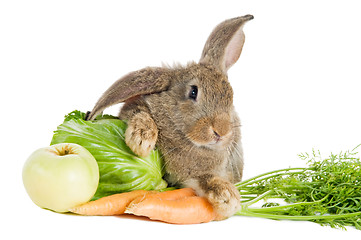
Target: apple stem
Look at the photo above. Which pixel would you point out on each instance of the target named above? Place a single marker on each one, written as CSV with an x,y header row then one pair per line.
x,y
65,150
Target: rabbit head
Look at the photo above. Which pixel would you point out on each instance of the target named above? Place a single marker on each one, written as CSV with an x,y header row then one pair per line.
x,y
198,104
187,111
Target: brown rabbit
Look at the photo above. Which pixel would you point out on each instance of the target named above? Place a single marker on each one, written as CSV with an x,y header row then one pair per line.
x,y
188,113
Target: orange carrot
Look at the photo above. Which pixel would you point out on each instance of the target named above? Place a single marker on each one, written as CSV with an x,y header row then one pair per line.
x,y
173,194
176,194
187,210
167,195
180,206
110,205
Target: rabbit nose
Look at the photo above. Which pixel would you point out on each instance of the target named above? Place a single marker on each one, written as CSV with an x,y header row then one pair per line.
x,y
220,137
221,126
217,136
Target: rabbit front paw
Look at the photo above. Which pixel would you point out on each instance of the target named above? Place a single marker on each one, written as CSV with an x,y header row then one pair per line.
x,y
223,196
141,134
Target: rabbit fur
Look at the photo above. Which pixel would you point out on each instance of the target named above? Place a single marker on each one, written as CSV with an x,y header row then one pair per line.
x,y
187,112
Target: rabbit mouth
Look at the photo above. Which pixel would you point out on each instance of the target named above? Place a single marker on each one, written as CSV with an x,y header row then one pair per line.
x,y
212,132
211,139
220,141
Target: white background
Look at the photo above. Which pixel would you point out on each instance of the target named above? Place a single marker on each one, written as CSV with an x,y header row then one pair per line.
x,y
297,87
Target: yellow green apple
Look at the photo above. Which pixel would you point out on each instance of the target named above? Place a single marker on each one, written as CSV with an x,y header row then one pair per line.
x,y
61,176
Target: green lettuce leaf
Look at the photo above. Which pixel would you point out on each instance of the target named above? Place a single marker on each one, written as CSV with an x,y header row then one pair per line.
x,y
120,169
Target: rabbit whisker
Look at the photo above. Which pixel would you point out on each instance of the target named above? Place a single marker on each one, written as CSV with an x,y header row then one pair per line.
x,y
234,150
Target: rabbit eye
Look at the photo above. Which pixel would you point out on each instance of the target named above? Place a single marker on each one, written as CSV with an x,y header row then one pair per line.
x,y
193,92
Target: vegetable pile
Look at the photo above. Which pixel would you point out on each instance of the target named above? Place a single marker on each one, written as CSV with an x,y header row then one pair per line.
x,y
327,191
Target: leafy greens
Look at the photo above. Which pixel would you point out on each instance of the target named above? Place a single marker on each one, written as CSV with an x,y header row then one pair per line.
x,y
327,192
120,169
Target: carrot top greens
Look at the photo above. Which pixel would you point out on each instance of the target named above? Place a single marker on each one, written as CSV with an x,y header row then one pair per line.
x,y
327,191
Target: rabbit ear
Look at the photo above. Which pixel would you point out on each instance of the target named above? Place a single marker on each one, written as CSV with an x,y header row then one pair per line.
x,y
144,81
224,45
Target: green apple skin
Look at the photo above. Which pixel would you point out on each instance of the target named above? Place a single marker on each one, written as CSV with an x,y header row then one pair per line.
x,y
61,176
